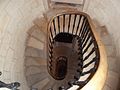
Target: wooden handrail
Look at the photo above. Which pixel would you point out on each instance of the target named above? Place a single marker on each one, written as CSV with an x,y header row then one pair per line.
x,y
98,73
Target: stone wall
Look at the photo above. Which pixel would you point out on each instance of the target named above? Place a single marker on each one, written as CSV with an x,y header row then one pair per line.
x,y
106,12
16,18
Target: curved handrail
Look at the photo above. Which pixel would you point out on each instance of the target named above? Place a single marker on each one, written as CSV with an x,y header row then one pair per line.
x,y
98,81
87,37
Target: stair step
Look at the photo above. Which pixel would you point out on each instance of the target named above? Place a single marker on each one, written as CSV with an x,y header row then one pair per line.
x,y
32,42
30,61
41,84
33,52
36,32
42,24
49,85
31,29
35,78
35,69
35,61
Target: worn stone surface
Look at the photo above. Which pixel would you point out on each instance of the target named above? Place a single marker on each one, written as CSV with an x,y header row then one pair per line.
x,y
41,84
34,61
37,32
33,42
35,69
36,78
34,52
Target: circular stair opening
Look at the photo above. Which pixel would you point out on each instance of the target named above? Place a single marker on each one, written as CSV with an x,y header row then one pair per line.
x,y
70,35
69,58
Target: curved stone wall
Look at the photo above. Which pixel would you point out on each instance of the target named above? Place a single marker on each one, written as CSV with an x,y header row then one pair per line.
x,y
16,18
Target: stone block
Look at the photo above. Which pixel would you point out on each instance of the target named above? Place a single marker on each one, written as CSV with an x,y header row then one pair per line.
x,y
31,70
32,42
33,79
35,52
34,61
36,32
41,84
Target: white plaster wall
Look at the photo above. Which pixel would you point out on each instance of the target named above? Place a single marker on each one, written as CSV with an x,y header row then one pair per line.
x,y
16,18
107,12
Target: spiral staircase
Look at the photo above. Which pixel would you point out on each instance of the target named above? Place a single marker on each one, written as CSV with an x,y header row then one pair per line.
x,y
64,52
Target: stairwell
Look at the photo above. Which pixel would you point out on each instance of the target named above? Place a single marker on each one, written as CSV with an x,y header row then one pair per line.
x,y
35,62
